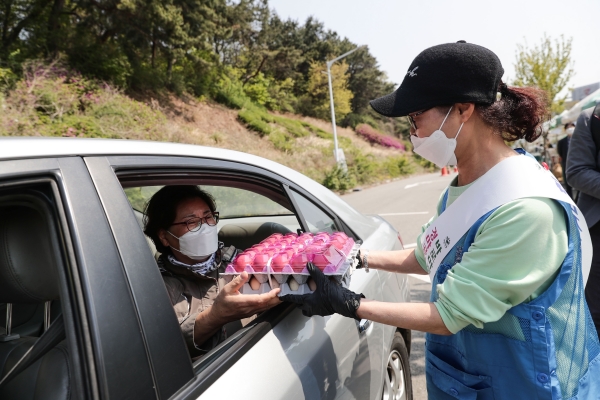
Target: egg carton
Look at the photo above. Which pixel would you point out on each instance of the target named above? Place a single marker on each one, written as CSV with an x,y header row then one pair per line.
x,y
294,282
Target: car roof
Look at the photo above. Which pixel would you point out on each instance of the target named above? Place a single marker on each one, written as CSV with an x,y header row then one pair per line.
x,y
14,148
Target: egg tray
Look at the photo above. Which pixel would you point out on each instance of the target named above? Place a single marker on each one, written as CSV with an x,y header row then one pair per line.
x,y
266,277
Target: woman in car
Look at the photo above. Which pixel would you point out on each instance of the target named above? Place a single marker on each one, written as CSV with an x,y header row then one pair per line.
x,y
507,251
182,223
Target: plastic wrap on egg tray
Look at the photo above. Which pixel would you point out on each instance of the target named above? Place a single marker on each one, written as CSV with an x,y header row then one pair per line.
x,y
280,261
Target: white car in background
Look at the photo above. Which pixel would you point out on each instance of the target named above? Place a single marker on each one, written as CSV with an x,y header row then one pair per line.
x,y
122,336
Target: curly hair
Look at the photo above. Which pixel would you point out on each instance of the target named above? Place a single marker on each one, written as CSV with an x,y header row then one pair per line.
x,y
518,114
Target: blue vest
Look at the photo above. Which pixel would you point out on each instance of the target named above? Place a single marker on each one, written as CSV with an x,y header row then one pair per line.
x,y
545,349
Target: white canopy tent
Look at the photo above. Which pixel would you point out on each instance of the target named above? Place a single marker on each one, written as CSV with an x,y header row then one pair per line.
x,y
571,115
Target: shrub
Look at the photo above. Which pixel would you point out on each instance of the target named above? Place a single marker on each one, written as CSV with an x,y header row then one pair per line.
x,y
428,165
294,127
364,167
282,141
230,92
254,121
257,89
337,179
7,79
398,166
368,133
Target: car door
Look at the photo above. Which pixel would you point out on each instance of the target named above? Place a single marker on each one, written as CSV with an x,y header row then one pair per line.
x,y
284,356
107,347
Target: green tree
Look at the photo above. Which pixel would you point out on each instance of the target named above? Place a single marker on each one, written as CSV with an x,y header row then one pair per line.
x,y
547,66
318,90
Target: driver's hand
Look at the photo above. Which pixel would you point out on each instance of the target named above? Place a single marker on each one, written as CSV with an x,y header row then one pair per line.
x,y
231,305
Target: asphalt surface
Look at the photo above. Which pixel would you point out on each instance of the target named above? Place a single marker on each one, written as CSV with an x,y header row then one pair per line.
x,y
407,204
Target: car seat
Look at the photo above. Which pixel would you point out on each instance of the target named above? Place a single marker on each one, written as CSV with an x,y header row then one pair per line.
x,y
29,260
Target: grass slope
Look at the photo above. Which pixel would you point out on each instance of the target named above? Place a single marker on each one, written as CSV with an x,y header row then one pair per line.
x,y
53,102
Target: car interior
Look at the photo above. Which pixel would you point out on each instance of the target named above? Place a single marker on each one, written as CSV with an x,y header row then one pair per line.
x,y
29,298
250,211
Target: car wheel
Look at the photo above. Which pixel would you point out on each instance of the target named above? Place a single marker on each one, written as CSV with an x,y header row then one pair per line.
x,y
397,384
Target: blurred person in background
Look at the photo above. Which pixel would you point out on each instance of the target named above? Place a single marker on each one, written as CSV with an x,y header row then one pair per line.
x,y
563,149
584,174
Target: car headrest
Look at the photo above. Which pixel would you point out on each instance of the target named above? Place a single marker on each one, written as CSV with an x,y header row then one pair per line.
x,y
29,251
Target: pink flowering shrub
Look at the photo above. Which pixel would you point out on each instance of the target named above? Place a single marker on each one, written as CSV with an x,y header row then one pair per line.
x,y
368,133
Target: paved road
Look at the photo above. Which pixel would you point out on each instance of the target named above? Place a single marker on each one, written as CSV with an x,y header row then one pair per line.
x,y
407,204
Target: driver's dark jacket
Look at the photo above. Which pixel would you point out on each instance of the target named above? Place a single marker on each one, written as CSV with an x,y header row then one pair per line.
x,y
191,293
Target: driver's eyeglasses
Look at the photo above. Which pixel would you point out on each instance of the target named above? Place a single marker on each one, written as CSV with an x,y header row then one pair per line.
x,y
195,223
411,117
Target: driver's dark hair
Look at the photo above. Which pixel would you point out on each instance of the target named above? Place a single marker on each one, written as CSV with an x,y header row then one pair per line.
x,y
161,209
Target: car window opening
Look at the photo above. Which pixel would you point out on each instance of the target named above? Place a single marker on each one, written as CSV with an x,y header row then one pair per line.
x,y
30,296
189,266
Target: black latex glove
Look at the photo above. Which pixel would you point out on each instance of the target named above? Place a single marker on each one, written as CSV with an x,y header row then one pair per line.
x,y
329,297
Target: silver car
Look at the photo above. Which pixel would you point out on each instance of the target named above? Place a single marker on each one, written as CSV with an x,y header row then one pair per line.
x,y
77,204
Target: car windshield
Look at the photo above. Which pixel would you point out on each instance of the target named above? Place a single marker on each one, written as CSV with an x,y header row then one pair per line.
x,y
231,202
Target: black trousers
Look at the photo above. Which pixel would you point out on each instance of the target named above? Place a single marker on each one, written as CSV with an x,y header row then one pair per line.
x,y
592,288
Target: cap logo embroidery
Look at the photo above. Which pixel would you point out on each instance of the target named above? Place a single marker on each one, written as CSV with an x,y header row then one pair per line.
x,y
412,73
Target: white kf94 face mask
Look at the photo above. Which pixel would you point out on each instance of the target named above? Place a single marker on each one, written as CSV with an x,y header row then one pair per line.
x,y
437,148
199,244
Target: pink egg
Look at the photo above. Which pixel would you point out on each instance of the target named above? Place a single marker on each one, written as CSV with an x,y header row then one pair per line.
x,y
306,236
269,241
320,260
337,245
291,252
260,261
280,261
241,261
271,252
314,248
299,261
340,234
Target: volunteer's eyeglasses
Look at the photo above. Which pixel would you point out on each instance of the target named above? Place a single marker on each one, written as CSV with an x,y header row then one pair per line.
x,y
411,117
195,223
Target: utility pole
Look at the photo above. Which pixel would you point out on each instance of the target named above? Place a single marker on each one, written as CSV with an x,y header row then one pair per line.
x,y
329,64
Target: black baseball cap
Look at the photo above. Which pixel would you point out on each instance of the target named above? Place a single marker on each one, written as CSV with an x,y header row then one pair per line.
x,y
445,74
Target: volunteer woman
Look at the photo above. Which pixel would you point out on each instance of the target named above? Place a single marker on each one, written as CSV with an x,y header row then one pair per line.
x,y
182,222
507,317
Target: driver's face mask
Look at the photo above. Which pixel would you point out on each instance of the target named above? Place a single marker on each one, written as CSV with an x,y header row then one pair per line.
x,y
197,245
437,148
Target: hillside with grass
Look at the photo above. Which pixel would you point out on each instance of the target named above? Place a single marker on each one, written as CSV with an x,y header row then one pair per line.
x,y
222,73
52,100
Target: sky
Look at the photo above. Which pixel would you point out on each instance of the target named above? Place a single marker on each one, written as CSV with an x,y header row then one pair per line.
x,y
397,30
